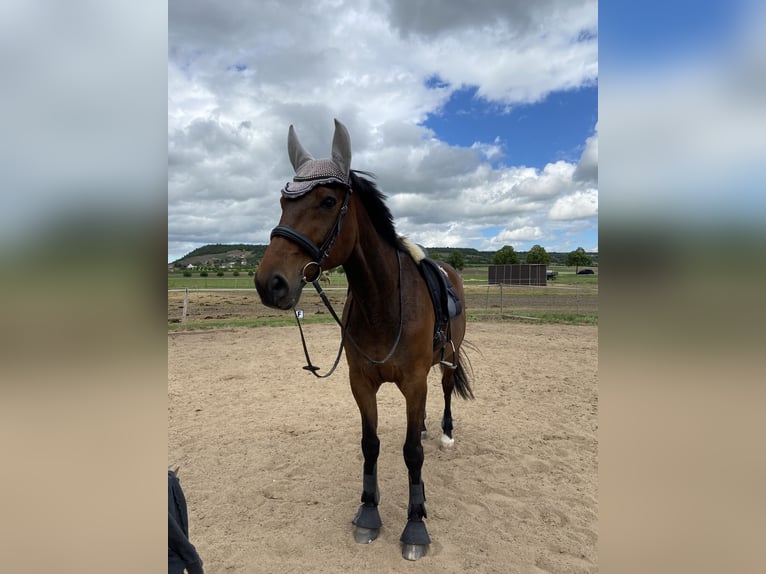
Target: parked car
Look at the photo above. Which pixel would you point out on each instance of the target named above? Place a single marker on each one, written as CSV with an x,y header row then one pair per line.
x,y
550,274
585,272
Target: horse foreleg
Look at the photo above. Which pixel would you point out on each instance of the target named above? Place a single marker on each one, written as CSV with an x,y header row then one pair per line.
x,y
367,520
414,538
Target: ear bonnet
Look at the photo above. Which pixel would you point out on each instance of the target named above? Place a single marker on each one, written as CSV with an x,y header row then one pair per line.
x,y
310,172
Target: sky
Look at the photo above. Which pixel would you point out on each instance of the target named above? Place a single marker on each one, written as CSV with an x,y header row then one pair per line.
x,y
480,119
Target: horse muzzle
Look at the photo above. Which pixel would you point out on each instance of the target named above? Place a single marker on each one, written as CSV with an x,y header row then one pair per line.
x,y
275,290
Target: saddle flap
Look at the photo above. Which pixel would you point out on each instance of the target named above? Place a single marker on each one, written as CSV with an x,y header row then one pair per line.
x,y
444,298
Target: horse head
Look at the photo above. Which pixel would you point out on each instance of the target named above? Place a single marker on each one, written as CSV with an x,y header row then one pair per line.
x,y
316,230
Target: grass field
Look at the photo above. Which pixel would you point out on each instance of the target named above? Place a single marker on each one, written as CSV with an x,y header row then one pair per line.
x,y
232,302
178,281
471,276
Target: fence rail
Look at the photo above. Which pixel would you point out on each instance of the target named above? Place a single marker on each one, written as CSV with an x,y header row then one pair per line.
x,y
490,302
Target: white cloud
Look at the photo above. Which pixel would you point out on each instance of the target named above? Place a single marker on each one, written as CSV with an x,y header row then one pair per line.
x,y
554,179
514,51
238,76
437,235
587,167
510,236
578,205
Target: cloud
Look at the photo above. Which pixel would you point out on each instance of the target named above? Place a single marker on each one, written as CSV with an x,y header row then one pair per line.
x,y
516,235
433,18
514,51
578,205
239,75
587,168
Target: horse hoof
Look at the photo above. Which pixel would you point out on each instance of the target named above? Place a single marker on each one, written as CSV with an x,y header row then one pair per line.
x,y
423,435
447,442
365,535
414,551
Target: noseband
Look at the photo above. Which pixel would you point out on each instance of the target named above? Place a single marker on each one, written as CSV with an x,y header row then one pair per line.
x,y
317,254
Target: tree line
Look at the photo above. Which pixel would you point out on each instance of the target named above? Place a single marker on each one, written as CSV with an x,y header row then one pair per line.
x,y
536,255
458,257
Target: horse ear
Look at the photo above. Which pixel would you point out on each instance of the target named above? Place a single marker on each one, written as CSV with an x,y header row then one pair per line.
x,y
341,148
298,154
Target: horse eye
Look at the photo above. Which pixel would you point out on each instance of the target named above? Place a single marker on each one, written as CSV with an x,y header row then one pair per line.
x,y
328,202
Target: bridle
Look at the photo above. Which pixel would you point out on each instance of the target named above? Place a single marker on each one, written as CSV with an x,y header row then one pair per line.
x,y
319,255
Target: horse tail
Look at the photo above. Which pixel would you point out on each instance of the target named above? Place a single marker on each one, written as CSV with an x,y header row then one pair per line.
x,y
462,383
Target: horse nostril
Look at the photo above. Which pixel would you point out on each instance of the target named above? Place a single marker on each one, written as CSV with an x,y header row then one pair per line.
x,y
278,286
274,290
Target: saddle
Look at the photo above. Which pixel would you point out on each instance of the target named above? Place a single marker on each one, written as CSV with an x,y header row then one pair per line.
x,y
444,298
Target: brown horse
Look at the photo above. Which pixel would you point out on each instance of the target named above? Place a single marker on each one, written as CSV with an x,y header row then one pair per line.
x,y
334,216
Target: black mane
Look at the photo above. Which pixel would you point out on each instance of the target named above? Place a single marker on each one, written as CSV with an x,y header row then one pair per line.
x,y
374,202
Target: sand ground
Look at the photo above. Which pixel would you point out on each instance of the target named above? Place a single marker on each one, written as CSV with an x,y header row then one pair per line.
x,y
272,468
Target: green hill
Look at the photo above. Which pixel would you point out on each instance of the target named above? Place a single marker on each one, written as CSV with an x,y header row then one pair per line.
x,y
248,255
218,254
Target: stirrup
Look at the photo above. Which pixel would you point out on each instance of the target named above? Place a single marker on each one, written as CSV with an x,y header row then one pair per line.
x,y
447,364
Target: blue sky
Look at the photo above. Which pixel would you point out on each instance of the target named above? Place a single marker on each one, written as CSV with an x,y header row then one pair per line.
x,y
480,121
531,134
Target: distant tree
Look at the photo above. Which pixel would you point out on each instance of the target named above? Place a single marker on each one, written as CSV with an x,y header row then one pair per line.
x,y
578,257
457,260
506,256
538,254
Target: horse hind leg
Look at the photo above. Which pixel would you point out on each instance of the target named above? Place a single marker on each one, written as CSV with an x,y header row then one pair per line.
x,y
448,385
454,381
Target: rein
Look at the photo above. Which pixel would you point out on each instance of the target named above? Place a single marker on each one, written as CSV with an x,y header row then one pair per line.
x,y
344,329
313,368
319,254
401,321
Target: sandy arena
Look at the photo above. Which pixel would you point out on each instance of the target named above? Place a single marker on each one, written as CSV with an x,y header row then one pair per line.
x,y
272,467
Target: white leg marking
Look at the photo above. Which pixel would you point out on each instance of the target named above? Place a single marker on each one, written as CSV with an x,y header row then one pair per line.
x,y
447,442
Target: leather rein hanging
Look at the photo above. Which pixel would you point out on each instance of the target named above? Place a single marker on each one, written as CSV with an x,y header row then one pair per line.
x,y
319,254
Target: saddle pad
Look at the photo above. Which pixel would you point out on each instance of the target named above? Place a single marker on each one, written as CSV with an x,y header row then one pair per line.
x,y
444,298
